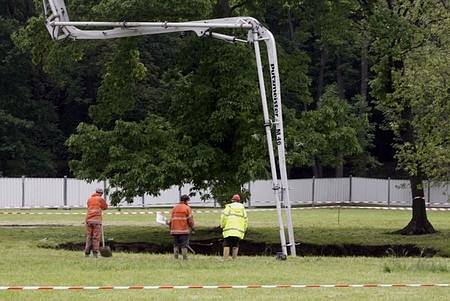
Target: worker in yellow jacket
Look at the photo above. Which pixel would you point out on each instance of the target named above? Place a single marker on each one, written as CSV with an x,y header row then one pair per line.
x,y
234,223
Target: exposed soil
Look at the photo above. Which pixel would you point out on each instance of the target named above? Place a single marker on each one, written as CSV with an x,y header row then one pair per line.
x,y
250,248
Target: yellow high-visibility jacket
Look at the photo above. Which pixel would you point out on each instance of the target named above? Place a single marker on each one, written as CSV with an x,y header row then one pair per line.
x,y
234,220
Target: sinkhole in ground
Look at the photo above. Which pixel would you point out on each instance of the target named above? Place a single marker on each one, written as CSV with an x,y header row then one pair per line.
x,y
251,248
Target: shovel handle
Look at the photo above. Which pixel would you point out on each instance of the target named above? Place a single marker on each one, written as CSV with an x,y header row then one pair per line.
x,y
103,237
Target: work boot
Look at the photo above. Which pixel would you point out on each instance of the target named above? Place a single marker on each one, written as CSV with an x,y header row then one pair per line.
x,y
235,252
95,254
184,253
175,252
226,253
87,254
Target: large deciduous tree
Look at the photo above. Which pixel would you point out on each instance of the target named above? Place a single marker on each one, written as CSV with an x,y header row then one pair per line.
x,y
203,130
412,46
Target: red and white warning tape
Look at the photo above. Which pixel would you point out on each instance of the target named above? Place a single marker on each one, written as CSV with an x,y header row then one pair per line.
x,y
215,210
376,208
254,203
154,287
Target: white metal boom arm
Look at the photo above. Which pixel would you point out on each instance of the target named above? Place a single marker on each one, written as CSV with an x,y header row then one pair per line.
x,y
59,26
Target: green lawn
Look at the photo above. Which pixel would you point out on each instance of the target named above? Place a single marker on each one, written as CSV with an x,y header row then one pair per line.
x,y
23,263
317,226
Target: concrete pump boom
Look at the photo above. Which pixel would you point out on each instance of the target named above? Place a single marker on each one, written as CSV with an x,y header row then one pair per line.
x,y
60,27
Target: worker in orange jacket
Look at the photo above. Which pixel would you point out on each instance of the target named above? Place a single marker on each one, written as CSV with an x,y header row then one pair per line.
x,y
181,225
95,205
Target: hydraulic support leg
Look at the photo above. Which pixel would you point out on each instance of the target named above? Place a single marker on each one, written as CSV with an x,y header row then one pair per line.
x,y
267,125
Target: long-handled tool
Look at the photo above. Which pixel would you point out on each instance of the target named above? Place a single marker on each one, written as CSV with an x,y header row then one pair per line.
x,y
105,251
190,249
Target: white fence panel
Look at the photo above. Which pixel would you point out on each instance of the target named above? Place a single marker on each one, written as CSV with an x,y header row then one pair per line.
x,y
50,192
169,197
44,192
10,192
262,193
439,192
401,192
300,191
196,200
78,191
332,190
124,202
369,190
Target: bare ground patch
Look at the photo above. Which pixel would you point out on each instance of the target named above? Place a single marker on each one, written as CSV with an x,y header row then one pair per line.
x,y
251,248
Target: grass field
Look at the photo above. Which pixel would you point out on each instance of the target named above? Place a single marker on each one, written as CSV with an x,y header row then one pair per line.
x,y
23,263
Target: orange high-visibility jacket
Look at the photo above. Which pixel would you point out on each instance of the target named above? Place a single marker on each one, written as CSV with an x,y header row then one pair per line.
x,y
181,219
95,206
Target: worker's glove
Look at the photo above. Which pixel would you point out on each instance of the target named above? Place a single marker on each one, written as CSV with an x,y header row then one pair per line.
x,y
192,231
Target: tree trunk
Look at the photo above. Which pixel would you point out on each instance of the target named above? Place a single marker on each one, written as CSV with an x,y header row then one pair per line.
x,y
339,169
291,26
222,9
317,170
364,68
29,8
419,223
10,8
339,77
323,62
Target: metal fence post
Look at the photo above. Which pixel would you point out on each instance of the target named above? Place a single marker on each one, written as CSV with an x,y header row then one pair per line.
x,y
143,201
23,191
313,190
65,191
389,192
350,189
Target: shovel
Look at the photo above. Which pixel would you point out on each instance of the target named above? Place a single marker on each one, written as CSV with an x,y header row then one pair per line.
x,y
190,249
105,251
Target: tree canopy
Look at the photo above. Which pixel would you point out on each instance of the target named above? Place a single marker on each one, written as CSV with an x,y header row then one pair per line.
x,y
364,84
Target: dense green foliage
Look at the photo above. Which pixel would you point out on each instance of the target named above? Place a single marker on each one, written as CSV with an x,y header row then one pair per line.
x,y
156,111
412,83
30,140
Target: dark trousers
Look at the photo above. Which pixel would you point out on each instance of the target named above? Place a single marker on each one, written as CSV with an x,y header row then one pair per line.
x,y
180,240
231,241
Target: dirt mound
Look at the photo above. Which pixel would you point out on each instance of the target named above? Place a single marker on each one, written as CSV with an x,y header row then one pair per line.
x,y
250,248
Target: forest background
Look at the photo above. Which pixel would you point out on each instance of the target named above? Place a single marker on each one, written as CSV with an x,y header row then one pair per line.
x,y
365,88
